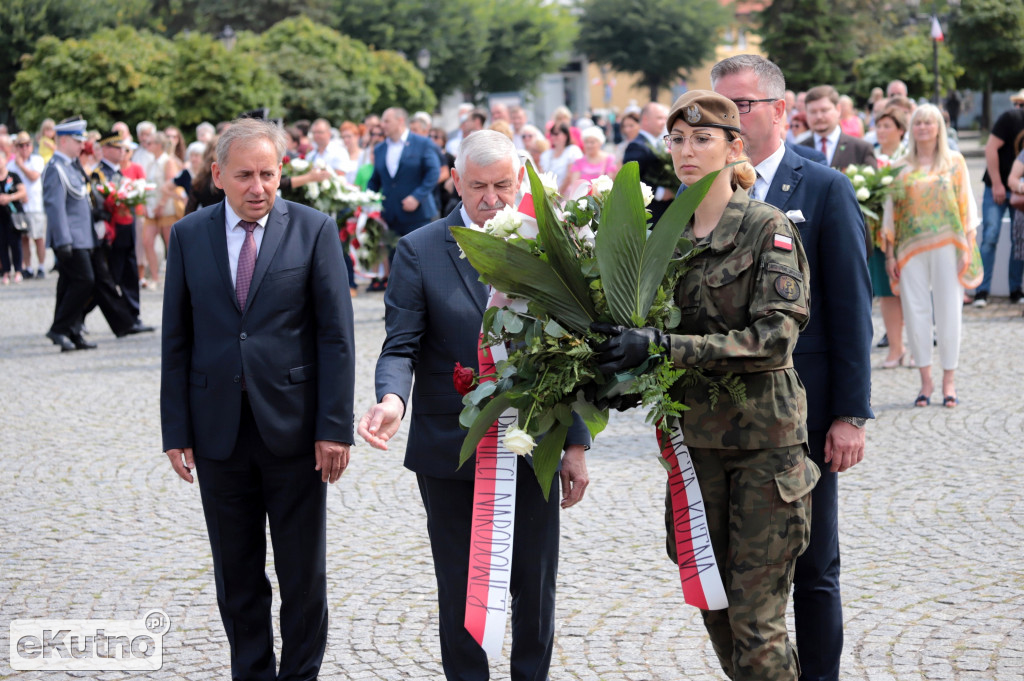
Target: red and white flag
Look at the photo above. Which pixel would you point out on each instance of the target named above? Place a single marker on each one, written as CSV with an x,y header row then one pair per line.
x,y
937,29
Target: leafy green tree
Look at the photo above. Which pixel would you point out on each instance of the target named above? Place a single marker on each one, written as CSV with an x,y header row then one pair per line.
x,y
23,22
400,84
323,72
210,16
909,59
454,31
657,39
209,82
117,74
812,41
525,38
987,38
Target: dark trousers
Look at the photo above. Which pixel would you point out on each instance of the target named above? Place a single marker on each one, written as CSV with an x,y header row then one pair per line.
x,y
124,267
449,506
74,289
817,604
10,247
239,495
105,295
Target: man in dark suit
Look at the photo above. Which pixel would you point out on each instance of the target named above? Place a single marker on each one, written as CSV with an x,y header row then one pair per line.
x,y
434,308
405,170
832,354
822,105
644,149
256,391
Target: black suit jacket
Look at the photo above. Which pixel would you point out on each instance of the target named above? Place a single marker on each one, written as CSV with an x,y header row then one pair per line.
x,y
293,341
848,150
435,304
832,354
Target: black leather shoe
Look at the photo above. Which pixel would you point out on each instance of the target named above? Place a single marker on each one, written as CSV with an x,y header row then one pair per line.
x,y
65,343
81,344
139,327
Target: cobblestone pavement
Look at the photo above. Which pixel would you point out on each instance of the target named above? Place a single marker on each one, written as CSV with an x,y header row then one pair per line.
x,y
97,525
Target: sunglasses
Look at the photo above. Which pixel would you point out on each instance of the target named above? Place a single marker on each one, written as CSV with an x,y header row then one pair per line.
x,y
23,144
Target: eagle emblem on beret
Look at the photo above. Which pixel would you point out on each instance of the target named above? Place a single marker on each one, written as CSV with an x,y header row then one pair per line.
x,y
692,114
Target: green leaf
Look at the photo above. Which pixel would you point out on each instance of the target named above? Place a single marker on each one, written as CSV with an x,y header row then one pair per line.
x,y
483,390
516,272
488,415
468,415
546,456
559,248
512,322
595,419
632,263
554,329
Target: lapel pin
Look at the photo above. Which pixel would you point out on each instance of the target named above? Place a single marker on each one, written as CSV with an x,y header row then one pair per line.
x,y
785,187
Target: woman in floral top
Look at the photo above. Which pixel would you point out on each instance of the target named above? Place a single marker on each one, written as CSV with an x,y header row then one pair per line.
x,y
931,254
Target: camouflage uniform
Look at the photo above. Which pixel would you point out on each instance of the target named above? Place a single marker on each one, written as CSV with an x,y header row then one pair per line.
x,y
744,301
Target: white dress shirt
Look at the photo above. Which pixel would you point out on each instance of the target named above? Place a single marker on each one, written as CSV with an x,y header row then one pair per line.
x,y
832,140
766,170
236,237
394,152
335,156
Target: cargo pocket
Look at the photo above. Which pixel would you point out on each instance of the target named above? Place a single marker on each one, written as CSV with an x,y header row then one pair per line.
x,y
790,529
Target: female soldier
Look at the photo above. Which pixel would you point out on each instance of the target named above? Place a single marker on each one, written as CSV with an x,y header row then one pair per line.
x,y
744,300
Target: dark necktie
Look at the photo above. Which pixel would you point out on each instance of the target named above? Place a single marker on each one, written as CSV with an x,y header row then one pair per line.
x,y
824,146
246,263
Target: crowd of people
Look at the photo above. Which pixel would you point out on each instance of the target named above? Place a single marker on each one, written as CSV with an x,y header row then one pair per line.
x,y
261,379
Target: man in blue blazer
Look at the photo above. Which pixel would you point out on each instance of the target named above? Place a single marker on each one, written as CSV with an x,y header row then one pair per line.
x,y
405,170
832,354
434,307
257,379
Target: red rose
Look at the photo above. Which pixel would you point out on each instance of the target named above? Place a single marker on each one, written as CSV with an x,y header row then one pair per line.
x,y
464,379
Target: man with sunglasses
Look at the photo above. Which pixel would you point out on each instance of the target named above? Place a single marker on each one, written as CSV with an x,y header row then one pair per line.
x,y
832,356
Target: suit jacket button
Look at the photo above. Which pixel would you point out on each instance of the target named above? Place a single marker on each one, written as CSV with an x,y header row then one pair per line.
x,y
237,379
244,335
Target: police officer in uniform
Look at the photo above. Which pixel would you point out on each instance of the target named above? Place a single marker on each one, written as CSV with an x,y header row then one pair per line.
x,y
71,235
744,300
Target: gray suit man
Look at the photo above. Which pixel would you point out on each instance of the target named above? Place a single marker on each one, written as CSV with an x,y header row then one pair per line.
x,y
434,308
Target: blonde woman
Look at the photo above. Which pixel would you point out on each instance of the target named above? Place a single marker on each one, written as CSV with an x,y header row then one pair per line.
x,y
931,255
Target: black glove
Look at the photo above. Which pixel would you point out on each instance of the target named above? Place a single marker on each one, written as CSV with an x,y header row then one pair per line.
x,y
622,402
626,348
62,253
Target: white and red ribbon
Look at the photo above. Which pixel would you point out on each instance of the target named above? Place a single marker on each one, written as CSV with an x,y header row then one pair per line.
x,y
698,569
494,514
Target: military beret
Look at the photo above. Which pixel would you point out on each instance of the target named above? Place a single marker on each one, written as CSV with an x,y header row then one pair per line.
x,y
706,109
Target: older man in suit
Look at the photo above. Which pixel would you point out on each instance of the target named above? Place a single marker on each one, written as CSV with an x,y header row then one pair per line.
x,y
832,354
256,393
841,150
434,309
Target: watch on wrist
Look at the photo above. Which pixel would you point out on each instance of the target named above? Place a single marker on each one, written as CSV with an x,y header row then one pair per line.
x,y
858,421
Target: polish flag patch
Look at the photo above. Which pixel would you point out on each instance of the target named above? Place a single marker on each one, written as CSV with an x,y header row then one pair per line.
x,y
783,242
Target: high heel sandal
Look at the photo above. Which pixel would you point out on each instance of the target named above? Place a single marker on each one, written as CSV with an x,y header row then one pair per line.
x,y
893,363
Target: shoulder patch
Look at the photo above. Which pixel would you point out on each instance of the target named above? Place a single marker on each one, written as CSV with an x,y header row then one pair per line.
x,y
787,287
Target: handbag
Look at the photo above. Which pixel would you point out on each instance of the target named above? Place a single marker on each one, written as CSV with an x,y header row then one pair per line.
x,y
1016,201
